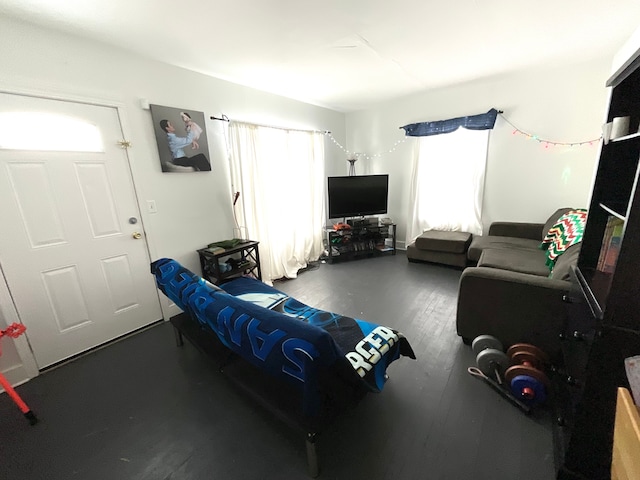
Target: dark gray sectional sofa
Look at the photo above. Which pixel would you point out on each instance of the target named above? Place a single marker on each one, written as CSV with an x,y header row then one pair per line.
x,y
511,293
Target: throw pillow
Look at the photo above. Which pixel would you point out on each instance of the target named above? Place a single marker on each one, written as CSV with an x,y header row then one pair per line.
x,y
553,219
567,231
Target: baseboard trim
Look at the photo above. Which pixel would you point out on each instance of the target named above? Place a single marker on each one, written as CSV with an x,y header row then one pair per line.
x,y
100,347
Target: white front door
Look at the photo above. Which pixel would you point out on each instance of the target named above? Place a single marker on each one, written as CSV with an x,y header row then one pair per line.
x,y
77,275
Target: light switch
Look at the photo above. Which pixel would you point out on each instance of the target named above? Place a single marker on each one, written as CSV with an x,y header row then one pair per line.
x,y
151,206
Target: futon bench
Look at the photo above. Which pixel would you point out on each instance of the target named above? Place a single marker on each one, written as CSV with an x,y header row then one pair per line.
x,y
323,361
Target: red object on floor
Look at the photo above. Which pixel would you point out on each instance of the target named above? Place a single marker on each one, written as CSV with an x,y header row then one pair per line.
x,y
14,331
13,394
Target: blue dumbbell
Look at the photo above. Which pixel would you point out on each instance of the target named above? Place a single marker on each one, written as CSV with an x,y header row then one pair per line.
x,y
528,389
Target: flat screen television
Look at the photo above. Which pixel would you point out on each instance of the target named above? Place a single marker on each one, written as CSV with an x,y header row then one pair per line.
x,y
357,195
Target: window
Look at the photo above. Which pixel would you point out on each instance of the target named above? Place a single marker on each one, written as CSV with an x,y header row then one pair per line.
x,y
447,183
48,132
280,176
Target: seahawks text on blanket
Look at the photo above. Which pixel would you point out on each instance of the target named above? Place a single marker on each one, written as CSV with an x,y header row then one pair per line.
x,y
281,335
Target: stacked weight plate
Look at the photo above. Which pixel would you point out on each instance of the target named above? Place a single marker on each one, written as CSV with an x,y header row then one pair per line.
x,y
518,375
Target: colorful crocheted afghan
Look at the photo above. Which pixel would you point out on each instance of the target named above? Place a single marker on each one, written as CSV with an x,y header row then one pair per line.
x,y
566,232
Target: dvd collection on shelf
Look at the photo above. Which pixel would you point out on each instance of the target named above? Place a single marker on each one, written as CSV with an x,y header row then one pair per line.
x,y
610,245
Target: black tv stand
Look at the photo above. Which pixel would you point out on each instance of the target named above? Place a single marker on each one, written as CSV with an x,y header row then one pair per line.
x,y
365,238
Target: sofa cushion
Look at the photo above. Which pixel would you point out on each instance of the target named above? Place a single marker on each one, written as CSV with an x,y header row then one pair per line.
x,y
521,261
553,219
478,244
441,241
562,268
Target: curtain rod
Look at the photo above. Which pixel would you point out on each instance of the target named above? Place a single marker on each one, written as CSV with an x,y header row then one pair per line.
x,y
224,118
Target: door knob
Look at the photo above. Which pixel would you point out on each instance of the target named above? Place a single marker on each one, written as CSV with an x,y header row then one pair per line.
x,y
137,235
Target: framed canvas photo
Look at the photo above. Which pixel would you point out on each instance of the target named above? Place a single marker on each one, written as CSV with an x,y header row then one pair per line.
x,y
182,139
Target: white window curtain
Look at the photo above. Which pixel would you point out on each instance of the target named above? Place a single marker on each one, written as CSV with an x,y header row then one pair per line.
x,y
447,182
280,176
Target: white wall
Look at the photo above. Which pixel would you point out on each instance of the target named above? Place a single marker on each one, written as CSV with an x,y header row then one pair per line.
x,y
193,209
524,181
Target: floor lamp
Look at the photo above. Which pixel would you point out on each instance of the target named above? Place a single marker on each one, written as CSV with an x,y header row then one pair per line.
x,y
352,166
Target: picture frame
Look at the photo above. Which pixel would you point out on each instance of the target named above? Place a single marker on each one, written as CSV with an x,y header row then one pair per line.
x,y
181,136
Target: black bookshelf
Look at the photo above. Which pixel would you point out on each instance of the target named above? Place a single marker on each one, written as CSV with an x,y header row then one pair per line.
x,y
609,329
246,258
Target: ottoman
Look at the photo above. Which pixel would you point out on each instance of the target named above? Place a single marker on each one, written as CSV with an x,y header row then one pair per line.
x,y
449,248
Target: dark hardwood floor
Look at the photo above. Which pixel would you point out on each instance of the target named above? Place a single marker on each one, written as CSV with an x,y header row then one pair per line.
x,y
143,408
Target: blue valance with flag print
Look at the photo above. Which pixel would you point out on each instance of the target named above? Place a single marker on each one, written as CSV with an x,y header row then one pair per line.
x,y
483,121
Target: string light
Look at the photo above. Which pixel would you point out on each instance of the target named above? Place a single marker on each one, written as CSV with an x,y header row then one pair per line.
x,y
516,131
547,143
365,155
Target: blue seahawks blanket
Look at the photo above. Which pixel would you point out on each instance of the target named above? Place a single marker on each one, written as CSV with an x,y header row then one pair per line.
x,y
281,335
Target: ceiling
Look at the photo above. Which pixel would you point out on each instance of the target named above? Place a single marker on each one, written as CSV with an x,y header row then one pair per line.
x,y
346,54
